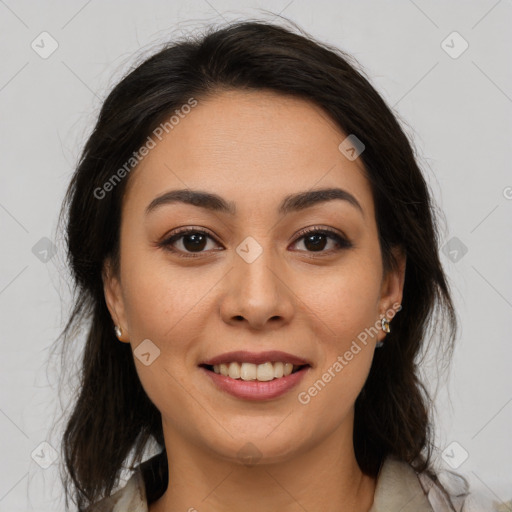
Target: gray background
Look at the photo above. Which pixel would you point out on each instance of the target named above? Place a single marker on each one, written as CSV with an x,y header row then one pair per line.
x,y
456,109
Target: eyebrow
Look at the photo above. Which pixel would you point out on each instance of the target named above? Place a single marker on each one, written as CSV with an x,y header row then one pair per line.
x,y
292,203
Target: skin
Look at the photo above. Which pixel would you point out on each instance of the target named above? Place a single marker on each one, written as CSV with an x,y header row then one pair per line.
x,y
253,148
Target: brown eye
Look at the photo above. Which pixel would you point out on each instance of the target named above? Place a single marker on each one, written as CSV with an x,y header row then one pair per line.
x,y
194,242
187,242
315,240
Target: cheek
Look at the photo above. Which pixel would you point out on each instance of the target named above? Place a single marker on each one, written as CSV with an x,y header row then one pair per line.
x,y
159,297
172,310
344,313
345,300
331,395
345,307
167,311
171,318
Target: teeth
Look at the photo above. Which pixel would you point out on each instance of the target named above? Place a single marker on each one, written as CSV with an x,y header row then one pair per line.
x,y
248,371
278,370
265,372
234,371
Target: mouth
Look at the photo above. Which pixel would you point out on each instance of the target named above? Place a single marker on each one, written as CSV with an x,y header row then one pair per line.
x,y
255,382
265,372
256,366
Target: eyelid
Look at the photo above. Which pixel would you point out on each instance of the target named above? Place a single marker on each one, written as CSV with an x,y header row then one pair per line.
x,y
186,230
321,229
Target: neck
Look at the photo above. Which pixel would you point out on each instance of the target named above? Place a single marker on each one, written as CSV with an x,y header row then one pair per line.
x,y
322,477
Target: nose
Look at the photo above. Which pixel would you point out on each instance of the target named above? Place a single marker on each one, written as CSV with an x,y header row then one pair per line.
x,y
257,293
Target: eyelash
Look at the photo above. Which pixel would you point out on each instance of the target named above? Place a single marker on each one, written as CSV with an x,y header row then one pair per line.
x,y
167,243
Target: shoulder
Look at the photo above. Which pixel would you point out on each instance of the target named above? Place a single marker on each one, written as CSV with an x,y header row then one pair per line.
x,y
130,498
400,487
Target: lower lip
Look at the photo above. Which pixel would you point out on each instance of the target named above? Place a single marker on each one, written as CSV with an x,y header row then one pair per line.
x,y
256,390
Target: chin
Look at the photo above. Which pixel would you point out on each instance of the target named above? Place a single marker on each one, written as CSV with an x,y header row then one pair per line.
x,y
265,446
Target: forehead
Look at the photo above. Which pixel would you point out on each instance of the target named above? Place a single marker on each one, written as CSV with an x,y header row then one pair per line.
x,y
252,148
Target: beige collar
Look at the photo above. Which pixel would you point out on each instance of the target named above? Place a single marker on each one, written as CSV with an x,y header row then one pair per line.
x,y
398,488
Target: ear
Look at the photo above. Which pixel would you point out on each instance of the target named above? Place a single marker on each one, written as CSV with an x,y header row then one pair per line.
x,y
392,286
114,299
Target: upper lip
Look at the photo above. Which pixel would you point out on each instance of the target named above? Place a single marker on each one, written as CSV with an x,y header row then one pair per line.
x,y
243,356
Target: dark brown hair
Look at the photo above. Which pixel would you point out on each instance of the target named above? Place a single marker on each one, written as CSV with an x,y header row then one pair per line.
x,y
112,416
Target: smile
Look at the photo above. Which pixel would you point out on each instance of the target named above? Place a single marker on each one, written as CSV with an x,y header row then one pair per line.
x,y
261,372
249,381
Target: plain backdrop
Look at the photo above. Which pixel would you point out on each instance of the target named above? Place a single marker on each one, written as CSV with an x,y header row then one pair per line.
x,y
445,70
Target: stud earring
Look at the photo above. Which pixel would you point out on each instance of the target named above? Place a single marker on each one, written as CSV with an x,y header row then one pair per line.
x,y
118,331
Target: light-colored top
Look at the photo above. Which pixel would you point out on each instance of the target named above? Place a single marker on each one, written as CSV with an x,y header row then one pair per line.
x,y
399,488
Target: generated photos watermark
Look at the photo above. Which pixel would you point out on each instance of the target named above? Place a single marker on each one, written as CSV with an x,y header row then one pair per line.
x,y
143,151
304,397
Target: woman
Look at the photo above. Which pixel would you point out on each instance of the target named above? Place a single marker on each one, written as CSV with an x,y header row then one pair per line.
x,y
249,221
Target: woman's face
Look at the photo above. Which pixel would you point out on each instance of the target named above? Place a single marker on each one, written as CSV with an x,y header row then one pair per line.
x,y
255,282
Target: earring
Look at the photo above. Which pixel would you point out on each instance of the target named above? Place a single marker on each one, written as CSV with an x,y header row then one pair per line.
x,y
118,331
384,322
385,327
